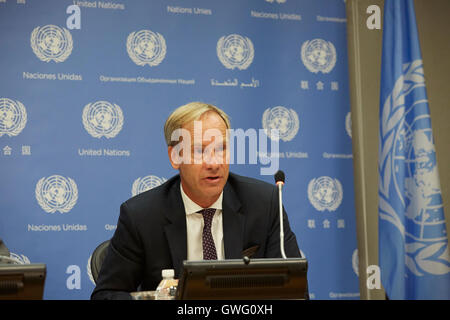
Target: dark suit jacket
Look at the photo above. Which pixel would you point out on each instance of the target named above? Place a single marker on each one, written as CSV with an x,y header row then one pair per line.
x,y
151,234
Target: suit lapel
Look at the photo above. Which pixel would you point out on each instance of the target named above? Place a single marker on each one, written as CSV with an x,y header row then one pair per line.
x,y
233,224
175,229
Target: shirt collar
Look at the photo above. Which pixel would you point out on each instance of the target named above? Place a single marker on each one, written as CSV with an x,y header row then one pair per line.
x,y
191,207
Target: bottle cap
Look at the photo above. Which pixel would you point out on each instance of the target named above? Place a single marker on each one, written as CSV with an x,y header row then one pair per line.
x,y
168,273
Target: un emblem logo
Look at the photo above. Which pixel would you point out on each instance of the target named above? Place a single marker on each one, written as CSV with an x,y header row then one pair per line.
x,y
318,55
324,193
348,124
146,47
51,43
13,117
56,193
19,258
89,271
235,51
102,119
284,120
355,262
146,183
409,188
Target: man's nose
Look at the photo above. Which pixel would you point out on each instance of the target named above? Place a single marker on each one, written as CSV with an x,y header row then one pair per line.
x,y
211,158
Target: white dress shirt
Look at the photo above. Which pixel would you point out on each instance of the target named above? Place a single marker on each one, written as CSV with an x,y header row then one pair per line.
x,y
194,224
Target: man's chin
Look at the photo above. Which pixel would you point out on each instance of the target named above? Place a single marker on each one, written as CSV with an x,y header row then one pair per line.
x,y
213,190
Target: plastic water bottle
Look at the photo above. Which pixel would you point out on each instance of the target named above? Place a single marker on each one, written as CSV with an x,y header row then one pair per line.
x,y
167,286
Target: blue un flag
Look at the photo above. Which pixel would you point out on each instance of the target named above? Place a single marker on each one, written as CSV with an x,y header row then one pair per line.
x,y
413,243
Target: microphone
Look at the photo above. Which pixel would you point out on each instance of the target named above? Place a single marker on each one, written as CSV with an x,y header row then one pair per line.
x,y
279,181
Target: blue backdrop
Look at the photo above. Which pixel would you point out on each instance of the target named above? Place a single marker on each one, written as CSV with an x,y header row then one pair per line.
x,y
85,88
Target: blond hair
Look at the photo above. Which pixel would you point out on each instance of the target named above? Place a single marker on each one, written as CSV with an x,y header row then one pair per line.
x,y
187,113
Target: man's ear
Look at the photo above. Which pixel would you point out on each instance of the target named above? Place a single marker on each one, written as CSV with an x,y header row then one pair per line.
x,y
173,158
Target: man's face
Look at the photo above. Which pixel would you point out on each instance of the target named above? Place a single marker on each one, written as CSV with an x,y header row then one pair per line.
x,y
205,172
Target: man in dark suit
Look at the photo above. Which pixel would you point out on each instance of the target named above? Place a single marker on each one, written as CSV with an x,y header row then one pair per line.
x,y
205,212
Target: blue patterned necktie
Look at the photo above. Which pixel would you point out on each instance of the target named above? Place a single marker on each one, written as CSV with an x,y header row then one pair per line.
x,y
209,248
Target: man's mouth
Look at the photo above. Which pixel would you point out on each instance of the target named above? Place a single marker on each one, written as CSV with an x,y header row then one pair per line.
x,y
212,178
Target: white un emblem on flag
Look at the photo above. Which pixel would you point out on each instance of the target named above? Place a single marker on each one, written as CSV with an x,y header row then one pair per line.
x,y
146,183
318,55
235,51
51,43
56,193
102,119
146,47
13,117
19,258
325,193
284,120
409,176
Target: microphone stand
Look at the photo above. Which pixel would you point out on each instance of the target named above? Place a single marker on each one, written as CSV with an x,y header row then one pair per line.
x,y
280,186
